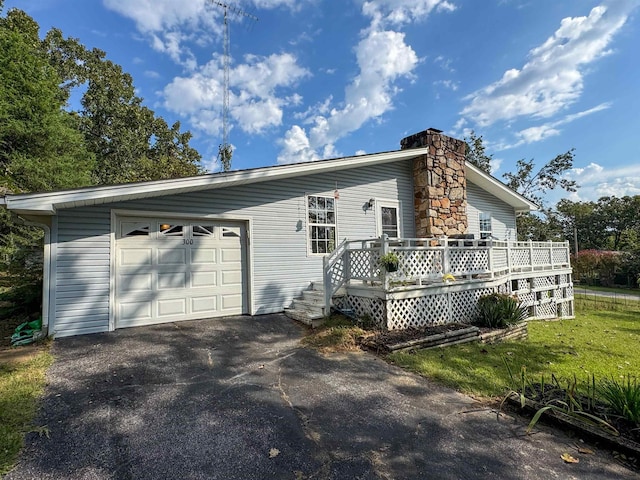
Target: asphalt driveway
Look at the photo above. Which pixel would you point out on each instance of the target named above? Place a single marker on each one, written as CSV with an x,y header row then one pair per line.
x,y
239,398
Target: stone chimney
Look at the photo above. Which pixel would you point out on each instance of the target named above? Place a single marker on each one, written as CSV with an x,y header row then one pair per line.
x,y
439,184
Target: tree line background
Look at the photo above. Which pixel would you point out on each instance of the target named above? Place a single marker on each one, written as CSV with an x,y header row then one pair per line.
x,y
605,233
108,136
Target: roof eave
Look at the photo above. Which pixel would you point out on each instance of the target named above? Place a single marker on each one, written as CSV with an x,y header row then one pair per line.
x,y
49,203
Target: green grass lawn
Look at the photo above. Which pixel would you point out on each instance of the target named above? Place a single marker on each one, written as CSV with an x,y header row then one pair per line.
x,y
604,342
21,385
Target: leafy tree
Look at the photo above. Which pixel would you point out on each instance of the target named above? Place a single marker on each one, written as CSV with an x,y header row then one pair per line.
x,y
476,153
619,215
129,141
45,145
41,147
544,228
545,224
534,185
588,224
550,176
611,223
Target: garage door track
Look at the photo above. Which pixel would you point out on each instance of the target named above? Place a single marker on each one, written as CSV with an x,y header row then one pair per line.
x,y
240,398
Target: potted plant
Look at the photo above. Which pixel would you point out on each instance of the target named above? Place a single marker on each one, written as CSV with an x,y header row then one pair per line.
x,y
389,261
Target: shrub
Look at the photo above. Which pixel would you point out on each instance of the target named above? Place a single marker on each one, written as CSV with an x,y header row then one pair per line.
x,y
499,310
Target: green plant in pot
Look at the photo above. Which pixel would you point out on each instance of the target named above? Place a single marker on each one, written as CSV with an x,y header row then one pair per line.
x,y
389,261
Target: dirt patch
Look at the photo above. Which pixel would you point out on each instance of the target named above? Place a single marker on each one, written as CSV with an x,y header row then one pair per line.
x,y
8,326
20,354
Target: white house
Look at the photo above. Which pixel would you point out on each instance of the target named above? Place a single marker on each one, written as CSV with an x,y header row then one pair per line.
x,y
249,241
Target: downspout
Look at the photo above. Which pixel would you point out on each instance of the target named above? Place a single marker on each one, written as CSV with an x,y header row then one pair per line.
x,y
46,272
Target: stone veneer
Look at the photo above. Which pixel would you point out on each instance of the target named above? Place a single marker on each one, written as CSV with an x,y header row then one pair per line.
x,y
439,184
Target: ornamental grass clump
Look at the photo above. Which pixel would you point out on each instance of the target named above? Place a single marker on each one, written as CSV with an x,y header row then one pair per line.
x,y
623,396
499,310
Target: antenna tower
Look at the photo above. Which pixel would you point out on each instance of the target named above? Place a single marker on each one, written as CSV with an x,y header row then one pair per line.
x,y
225,152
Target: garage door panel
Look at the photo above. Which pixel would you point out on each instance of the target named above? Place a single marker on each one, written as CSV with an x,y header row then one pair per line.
x,y
231,277
135,282
170,307
172,256
204,279
231,302
135,310
229,255
136,256
165,276
203,256
172,280
204,304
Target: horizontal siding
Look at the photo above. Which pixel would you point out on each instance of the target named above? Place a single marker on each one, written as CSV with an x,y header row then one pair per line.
x,y
503,217
81,277
282,267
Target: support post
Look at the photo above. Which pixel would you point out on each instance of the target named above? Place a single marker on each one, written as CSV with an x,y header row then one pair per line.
x,y
328,288
531,255
384,249
490,258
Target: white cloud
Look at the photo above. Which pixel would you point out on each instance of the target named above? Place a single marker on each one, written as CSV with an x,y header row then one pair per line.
x,y
597,181
255,99
296,140
448,84
552,78
550,129
383,57
398,12
158,15
171,25
444,63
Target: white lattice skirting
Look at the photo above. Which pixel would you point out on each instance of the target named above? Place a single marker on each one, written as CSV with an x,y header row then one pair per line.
x,y
546,296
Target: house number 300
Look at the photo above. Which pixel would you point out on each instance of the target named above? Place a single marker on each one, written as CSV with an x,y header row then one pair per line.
x,y
187,241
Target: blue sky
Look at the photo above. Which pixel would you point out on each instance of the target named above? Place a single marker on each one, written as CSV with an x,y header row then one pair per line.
x,y
314,79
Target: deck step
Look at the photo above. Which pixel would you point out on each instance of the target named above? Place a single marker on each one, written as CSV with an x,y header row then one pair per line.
x,y
313,320
313,296
310,306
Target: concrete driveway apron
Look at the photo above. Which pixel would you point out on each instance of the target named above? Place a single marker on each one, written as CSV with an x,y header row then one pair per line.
x,y
240,398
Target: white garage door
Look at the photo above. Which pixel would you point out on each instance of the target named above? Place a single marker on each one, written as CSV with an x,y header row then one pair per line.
x,y
169,270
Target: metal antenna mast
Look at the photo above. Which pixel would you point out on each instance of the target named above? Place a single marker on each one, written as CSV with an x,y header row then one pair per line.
x,y
225,152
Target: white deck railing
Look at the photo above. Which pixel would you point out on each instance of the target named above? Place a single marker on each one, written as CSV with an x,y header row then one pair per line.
x,y
424,260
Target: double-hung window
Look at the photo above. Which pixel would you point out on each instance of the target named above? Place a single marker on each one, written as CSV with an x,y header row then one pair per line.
x,y
322,224
485,225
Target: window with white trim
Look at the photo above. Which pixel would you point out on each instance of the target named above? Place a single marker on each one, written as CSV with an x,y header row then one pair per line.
x,y
171,230
484,220
202,230
389,221
135,229
322,224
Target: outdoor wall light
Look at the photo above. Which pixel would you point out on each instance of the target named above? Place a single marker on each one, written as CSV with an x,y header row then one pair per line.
x,y
372,202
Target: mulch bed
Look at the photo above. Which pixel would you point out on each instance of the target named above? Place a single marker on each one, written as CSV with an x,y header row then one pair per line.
x,y
383,341
628,438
